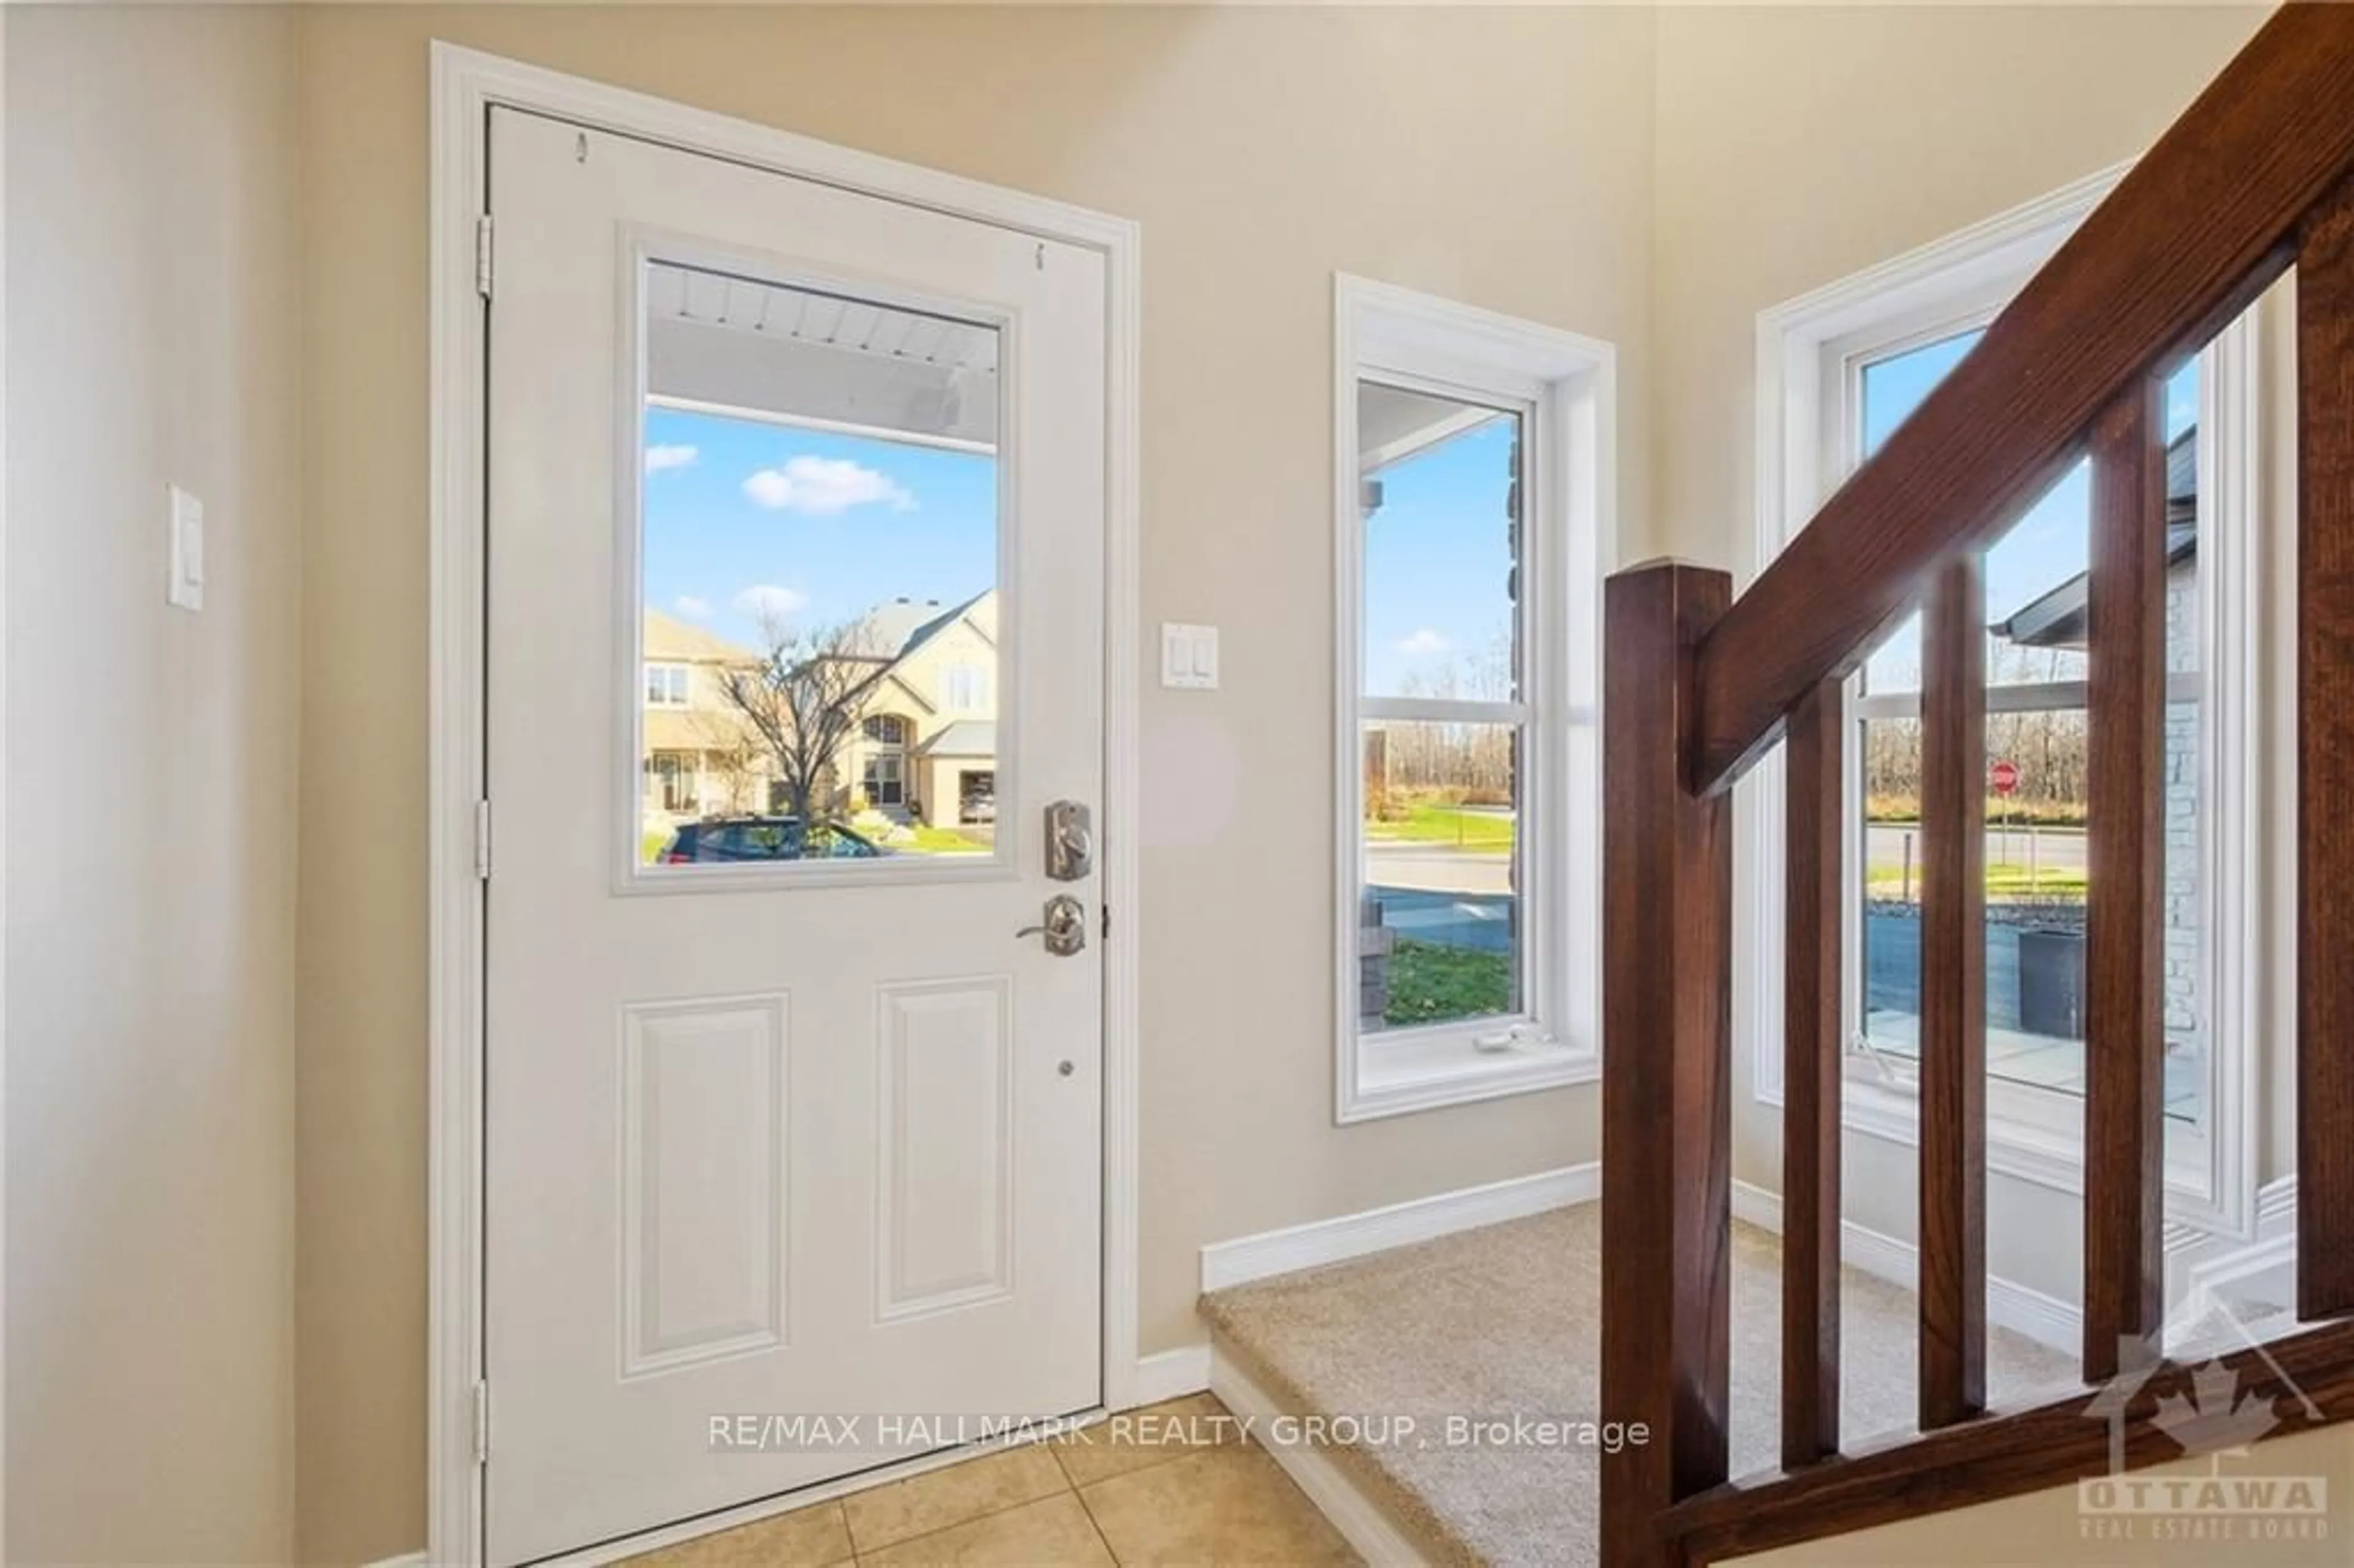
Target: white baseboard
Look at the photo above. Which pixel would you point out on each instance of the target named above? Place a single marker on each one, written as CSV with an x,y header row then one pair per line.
x,y
2046,1320
1336,1240
1172,1375
1361,1523
2226,1271
406,1560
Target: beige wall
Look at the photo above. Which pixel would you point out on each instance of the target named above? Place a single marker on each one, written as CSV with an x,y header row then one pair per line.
x,y
1508,157
1913,122
1501,157
1797,144
151,768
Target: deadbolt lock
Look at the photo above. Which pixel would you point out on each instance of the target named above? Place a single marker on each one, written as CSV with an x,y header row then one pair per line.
x,y
1070,841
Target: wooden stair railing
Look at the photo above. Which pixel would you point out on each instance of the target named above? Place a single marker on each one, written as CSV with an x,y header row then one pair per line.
x,y
2257,175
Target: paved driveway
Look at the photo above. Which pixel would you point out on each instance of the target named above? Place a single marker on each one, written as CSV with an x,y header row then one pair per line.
x,y
1439,894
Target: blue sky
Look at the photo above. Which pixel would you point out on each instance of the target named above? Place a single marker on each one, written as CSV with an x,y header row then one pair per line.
x,y
822,527
741,513
2047,546
1437,558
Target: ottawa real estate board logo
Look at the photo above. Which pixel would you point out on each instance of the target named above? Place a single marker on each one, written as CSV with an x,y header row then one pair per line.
x,y
2220,1414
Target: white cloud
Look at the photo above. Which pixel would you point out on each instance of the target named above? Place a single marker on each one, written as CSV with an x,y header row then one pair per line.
x,y
1422,642
661,457
766,602
694,609
824,487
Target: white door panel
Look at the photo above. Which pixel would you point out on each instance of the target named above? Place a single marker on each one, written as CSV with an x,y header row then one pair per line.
x,y
796,1135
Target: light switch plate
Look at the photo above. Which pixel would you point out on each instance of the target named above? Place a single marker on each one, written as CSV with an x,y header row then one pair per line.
x,y
1188,657
185,521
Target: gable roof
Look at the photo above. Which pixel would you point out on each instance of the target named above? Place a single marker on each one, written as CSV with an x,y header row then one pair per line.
x,y
2060,618
966,737
670,640
892,632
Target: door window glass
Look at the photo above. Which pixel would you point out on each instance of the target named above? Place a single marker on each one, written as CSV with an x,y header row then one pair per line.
x,y
818,576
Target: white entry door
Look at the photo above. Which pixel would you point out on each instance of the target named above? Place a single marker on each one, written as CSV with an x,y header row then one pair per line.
x,y
794,493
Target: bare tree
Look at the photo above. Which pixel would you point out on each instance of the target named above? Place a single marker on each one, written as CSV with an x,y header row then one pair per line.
x,y
803,700
1472,762
738,755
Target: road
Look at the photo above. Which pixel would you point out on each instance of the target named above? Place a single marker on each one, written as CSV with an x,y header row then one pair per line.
x,y
2055,848
1437,868
1442,868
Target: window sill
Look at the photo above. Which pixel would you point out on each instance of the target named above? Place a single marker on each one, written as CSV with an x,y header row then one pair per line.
x,y
1428,1071
2028,1152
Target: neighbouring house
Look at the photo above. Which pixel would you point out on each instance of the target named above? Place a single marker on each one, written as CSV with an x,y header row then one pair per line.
x,y
700,758
925,748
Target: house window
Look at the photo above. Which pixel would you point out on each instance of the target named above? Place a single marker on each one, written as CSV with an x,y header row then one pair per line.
x,y
885,783
1471,471
965,688
667,685
885,729
675,781
1850,364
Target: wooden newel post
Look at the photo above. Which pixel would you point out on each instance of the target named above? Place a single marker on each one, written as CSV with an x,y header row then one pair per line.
x,y
1666,1070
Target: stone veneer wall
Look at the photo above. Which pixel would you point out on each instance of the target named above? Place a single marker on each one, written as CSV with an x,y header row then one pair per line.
x,y
2185,1008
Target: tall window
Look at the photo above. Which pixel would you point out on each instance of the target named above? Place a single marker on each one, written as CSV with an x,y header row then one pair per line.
x,y
1469,479
965,688
1444,726
2036,808
1845,367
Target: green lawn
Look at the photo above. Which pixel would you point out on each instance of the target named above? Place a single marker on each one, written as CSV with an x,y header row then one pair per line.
x,y
1431,984
1487,831
940,841
2002,881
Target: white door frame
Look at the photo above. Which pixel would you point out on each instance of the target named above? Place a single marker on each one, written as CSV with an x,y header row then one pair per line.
x,y
4,787
466,84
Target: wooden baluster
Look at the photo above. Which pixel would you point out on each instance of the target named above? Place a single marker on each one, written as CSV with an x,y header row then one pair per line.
x,y
2125,1024
1665,1077
2325,701
1953,997
1810,1079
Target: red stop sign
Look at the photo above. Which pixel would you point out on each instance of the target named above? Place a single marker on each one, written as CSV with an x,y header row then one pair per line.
x,y
2004,776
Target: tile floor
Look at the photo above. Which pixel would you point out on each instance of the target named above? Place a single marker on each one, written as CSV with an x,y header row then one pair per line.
x,y
1193,1493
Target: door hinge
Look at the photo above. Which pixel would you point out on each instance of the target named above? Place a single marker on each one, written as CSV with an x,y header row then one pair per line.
x,y
1107,922
482,841
482,255
482,1422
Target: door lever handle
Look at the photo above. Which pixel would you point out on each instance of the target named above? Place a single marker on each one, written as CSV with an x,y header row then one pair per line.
x,y
1064,928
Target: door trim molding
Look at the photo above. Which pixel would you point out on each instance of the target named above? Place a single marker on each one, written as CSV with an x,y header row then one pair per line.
x,y
465,85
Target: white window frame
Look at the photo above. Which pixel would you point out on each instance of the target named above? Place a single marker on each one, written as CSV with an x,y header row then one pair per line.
x,y
965,688
1810,353
669,669
1565,386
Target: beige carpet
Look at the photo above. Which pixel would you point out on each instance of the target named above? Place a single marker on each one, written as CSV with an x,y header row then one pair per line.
x,y
1505,1320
